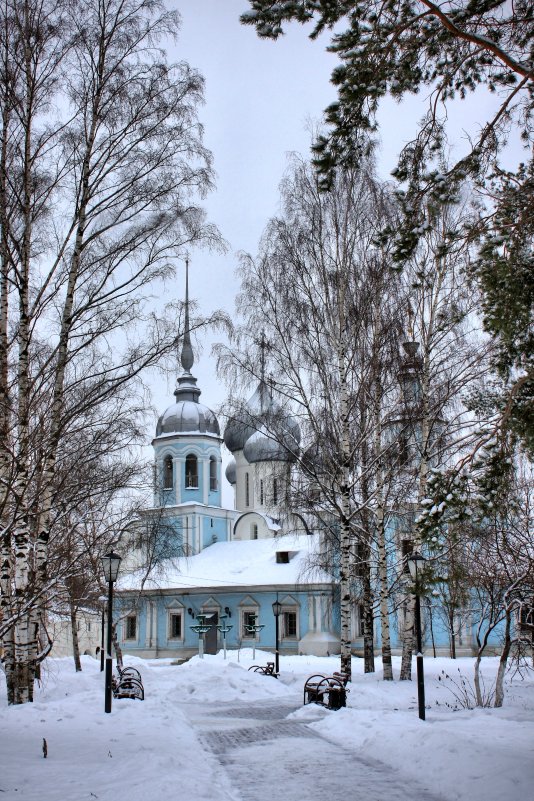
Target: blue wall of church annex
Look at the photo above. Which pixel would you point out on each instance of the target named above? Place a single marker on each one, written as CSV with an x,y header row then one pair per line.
x,y
154,627
214,529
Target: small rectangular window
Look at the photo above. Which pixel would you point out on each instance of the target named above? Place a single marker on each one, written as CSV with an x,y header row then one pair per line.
x,y
261,492
290,624
131,627
247,490
175,626
282,557
248,619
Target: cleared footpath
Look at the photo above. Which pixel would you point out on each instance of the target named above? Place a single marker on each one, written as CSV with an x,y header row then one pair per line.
x,y
267,757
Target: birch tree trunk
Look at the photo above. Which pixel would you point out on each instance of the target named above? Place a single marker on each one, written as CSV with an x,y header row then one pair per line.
x,y
25,634
345,572
503,661
368,621
75,640
478,681
384,591
408,639
422,476
103,195
385,635
7,607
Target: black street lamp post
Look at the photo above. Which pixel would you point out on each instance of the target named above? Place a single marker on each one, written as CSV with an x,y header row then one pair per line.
x,y
102,640
277,608
415,561
102,600
111,563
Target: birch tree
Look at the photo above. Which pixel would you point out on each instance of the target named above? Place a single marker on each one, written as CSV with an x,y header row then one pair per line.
x,y
101,166
451,52
451,360
317,289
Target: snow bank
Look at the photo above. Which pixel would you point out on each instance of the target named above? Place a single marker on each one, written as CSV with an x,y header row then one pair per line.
x,y
147,750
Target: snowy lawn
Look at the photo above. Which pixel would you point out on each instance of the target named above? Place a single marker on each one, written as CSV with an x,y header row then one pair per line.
x,y
146,751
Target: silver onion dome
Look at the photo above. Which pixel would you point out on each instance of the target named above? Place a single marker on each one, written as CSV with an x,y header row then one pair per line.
x,y
263,447
187,417
262,411
245,422
231,472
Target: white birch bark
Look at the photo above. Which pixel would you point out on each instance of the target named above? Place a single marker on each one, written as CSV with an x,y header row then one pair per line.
x,y
345,527
75,639
503,661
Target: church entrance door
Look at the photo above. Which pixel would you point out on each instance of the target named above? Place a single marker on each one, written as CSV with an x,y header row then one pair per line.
x,y
211,636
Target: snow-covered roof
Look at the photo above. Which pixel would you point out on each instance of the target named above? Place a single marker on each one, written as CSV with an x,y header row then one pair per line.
x,y
235,564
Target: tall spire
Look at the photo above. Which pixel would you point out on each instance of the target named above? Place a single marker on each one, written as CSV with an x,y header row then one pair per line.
x,y
187,357
263,345
187,388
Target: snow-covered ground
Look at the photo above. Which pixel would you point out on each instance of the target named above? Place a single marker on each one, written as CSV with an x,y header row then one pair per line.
x,y
148,751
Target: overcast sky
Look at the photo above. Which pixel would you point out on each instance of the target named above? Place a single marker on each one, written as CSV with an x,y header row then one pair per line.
x,y
260,95
260,98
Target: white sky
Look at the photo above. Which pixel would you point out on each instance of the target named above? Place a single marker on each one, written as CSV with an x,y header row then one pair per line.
x,y
260,95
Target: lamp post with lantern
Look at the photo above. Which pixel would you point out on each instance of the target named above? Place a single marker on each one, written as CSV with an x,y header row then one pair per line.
x,y
277,609
103,600
110,563
415,563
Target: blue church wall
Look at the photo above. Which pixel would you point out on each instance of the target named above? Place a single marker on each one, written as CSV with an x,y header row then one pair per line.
x,y
204,488
236,602
435,632
214,529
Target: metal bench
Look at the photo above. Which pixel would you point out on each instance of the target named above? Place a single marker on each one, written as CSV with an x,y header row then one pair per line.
x,y
266,670
328,691
128,684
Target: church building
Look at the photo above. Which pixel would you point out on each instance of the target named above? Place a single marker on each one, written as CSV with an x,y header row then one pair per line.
x,y
195,562
199,575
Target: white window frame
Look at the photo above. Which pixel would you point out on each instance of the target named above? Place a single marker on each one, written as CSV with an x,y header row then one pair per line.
x,y
196,475
127,637
295,611
177,613
248,610
168,460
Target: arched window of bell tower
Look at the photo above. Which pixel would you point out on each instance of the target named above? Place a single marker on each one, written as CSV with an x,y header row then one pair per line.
x,y
191,471
213,473
167,472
